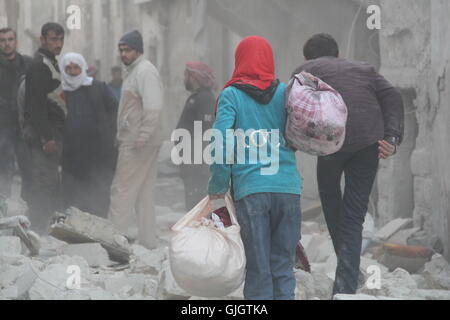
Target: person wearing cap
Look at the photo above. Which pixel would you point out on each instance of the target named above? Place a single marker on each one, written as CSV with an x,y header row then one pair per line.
x,y
139,139
199,108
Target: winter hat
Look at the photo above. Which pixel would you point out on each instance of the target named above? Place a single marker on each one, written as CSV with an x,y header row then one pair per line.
x,y
133,39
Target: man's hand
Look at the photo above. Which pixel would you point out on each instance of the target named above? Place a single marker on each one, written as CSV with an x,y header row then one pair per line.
x,y
50,147
386,149
217,196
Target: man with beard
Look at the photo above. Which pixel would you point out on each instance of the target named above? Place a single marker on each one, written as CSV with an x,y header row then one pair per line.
x,y
43,125
139,138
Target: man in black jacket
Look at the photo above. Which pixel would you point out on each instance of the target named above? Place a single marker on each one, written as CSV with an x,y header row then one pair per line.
x,y
12,66
44,121
374,130
199,107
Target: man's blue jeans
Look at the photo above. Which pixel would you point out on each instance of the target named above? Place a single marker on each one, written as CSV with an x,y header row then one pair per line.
x,y
270,229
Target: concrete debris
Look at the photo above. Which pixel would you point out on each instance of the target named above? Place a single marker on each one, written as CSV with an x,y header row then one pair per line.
x,y
437,273
10,246
360,297
81,227
403,236
93,253
318,247
305,289
126,285
168,288
392,227
20,226
397,284
147,261
368,232
54,284
323,286
422,294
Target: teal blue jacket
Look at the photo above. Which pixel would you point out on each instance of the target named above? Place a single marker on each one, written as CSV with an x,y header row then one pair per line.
x,y
271,168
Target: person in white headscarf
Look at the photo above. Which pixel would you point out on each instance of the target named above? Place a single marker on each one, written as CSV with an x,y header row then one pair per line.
x,y
89,156
74,72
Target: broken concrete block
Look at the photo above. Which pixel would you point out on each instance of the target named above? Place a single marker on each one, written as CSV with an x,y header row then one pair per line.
x,y
367,264
437,272
54,284
324,251
314,249
118,284
357,297
16,207
402,236
10,246
305,289
330,266
80,227
310,227
98,294
323,286
93,253
70,262
397,284
147,261
168,288
150,288
392,227
431,294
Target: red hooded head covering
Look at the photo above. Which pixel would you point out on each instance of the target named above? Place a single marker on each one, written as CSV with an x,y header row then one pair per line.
x,y
202,74
254,63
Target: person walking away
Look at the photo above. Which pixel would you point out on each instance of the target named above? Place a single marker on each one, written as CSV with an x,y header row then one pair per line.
x,y
140,139
267,203
375,128
89,155
43,125
199,108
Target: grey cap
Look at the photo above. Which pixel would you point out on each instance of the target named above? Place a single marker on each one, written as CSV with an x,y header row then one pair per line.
x,y
133,39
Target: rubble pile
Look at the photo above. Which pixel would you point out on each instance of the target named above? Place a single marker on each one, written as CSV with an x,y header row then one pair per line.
x,y
86,258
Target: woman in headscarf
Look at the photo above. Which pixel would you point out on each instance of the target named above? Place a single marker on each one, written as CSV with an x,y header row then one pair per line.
x,y
199,107
267,201
89,155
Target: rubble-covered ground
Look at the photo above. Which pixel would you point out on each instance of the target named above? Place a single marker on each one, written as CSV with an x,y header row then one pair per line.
x,y
67,271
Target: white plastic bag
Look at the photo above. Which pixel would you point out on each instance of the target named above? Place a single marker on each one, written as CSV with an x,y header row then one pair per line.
x,y
207,261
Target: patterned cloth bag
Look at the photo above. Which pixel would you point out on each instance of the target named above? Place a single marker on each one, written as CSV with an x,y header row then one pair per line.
x,y
317,116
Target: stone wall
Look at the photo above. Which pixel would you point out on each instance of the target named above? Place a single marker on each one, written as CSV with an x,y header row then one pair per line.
x,y
415,57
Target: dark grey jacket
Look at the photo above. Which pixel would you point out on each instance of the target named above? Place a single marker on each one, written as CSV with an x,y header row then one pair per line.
x,y
10,73
375,107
